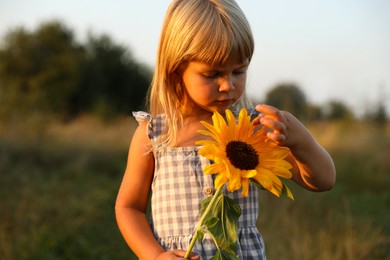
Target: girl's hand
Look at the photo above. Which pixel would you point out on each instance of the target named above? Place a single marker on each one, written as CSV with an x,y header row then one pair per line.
x,y
285,129
276,121
313,167
176,254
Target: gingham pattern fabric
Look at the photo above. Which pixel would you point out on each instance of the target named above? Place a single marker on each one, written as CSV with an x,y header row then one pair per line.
x,y
178,188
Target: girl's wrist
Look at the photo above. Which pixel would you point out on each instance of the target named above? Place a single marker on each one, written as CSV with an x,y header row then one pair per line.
x,y
298,138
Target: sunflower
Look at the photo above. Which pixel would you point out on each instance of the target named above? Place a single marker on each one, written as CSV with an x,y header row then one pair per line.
x,y
241,153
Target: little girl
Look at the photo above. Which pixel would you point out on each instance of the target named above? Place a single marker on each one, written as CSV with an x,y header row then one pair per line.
x,y
204,53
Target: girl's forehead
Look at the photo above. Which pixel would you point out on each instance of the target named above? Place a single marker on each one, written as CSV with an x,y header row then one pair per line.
x,y
234,59
230,62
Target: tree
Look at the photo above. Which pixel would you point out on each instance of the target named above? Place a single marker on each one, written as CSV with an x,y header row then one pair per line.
x,y
40,70
314,112
112,81
289,97
337,110
378,114
47,70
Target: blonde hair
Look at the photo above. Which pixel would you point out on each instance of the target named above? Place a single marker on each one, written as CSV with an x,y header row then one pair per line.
x,y
194,30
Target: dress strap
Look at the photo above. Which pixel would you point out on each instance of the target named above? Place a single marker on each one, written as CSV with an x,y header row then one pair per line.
x,y
141,117
155,124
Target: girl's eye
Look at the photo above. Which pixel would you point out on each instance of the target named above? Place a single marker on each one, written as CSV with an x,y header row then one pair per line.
x,y
239,72
210,75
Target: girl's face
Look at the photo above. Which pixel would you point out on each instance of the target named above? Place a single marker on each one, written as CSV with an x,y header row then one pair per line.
x,y
213,88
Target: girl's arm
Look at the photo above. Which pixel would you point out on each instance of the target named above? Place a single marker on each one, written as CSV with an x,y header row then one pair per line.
x,y
313,167
133,198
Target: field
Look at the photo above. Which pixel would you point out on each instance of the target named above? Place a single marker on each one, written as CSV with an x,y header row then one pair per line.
x,y
58,184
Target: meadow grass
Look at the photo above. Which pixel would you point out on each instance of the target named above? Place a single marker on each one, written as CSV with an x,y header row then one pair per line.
x,y
59,183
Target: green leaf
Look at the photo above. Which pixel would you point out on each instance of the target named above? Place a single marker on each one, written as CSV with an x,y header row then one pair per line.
x,y
223,255
257,184
200,234
222,223
205,203
287,192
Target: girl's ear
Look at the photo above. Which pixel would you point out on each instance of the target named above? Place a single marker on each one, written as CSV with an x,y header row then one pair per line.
x,y
176,76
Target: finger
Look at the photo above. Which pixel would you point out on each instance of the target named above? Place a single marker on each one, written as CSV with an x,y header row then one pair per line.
x,y
276,126
182,253
267,109
278,131
277,138
256,120
271,111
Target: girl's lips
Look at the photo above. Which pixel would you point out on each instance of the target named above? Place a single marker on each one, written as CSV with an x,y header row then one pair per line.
x,y
225,102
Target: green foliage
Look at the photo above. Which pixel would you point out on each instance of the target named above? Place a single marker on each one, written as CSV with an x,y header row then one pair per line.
x,y
289,97
223,255
58,196
285,189
378,114
59,183
48,71
221,224
314,113
112,82
348,222
39,70
337,110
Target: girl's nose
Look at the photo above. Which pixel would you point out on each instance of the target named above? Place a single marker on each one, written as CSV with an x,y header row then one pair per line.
x,y
226,84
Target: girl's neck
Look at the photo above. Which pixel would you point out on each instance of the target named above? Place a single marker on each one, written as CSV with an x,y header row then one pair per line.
x,y
188,134
191,114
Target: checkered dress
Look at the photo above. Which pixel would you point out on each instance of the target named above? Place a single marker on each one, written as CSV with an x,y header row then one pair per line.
x,y
178,188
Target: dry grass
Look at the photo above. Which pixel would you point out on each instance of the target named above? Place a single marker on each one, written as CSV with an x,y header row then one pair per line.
x,y
59,183
349,222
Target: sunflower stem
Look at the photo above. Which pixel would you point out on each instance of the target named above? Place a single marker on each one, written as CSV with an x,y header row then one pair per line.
x,y
201,220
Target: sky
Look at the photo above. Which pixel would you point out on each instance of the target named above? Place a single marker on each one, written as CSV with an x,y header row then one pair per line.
x,y
333,50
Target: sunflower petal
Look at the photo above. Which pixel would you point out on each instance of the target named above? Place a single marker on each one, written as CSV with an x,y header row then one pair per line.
x,y
217,133
272,158
245,187
248,173
231,121
220,180
211,151
218,122
211,134
286,191
243,123
234,180
205,142
275,192
282,172
213,168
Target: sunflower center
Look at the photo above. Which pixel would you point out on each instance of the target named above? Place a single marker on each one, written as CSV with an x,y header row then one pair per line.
x,y
242,155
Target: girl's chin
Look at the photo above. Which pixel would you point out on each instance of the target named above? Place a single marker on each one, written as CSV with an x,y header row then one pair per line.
x,y
221,109
222,106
